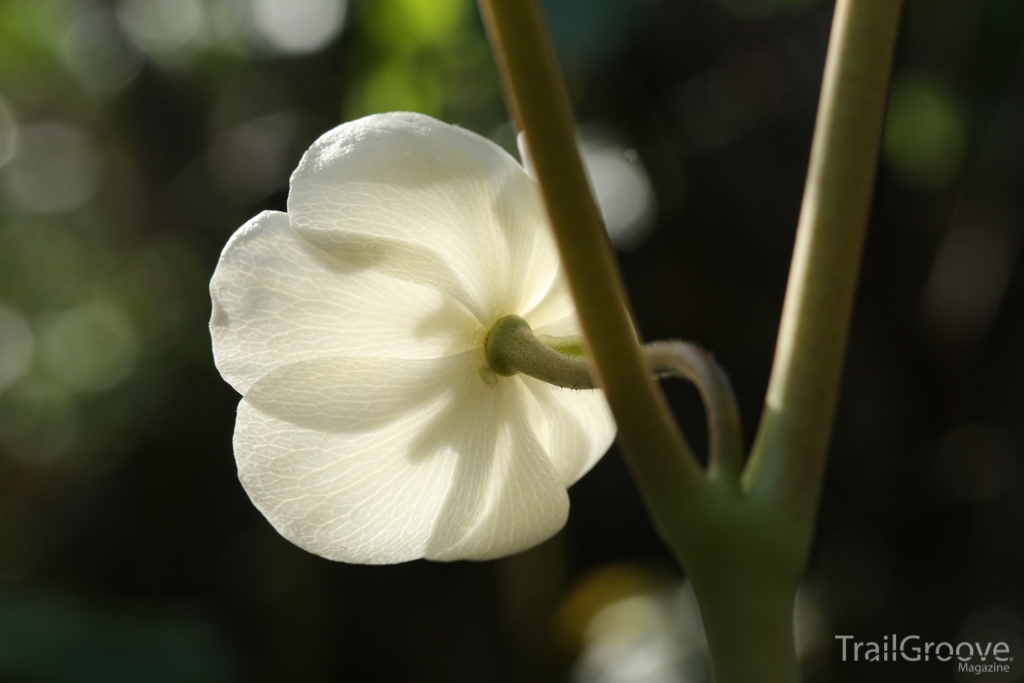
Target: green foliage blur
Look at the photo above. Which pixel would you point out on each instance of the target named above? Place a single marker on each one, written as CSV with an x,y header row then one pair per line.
x,y
135,136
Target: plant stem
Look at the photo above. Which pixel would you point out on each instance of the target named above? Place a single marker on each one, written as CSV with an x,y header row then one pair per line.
x,y
658,453
511,348
749,633
771,527
725,430
789,452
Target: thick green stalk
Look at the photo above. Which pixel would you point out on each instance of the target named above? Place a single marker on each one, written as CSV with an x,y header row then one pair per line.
x,y
746,561
782,480
788,458
659,454
749,631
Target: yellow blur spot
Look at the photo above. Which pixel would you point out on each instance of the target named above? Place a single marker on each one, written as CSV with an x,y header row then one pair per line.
x,y
597,590
925,140
416,23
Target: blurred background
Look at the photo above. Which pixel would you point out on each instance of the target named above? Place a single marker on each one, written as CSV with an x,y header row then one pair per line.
x,y
137,135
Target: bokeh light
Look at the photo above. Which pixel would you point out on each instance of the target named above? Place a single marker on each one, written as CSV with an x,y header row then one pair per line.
x,y
162,27
16,343
633,624
57,168
89,348
97,53
412,24
621,187
8,133
299,26
968,279
925,138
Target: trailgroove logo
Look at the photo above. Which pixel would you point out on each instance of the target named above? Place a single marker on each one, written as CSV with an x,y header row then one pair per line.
x,y
975,658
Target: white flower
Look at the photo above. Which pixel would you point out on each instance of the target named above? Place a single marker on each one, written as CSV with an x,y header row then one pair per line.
x,y
371,429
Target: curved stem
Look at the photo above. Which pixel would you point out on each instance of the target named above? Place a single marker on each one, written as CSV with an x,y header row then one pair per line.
x,y
725,430
511,347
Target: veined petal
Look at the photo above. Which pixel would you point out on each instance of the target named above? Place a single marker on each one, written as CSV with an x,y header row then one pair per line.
x,y
507,502
369,496
417,199
461,475
576,427
357,394
279,300
554,318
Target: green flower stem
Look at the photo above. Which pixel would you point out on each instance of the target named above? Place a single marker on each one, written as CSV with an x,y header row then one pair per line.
x,y
743,544
511,348
768,532
746,561
659,454
788,457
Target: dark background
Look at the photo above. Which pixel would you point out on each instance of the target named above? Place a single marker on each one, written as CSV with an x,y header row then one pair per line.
x,y
136,136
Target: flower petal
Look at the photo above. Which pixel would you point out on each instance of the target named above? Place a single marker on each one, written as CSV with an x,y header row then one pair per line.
x,y
461,475
376,496
576,427
553,319
430,203
278,300
357,394
508,502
